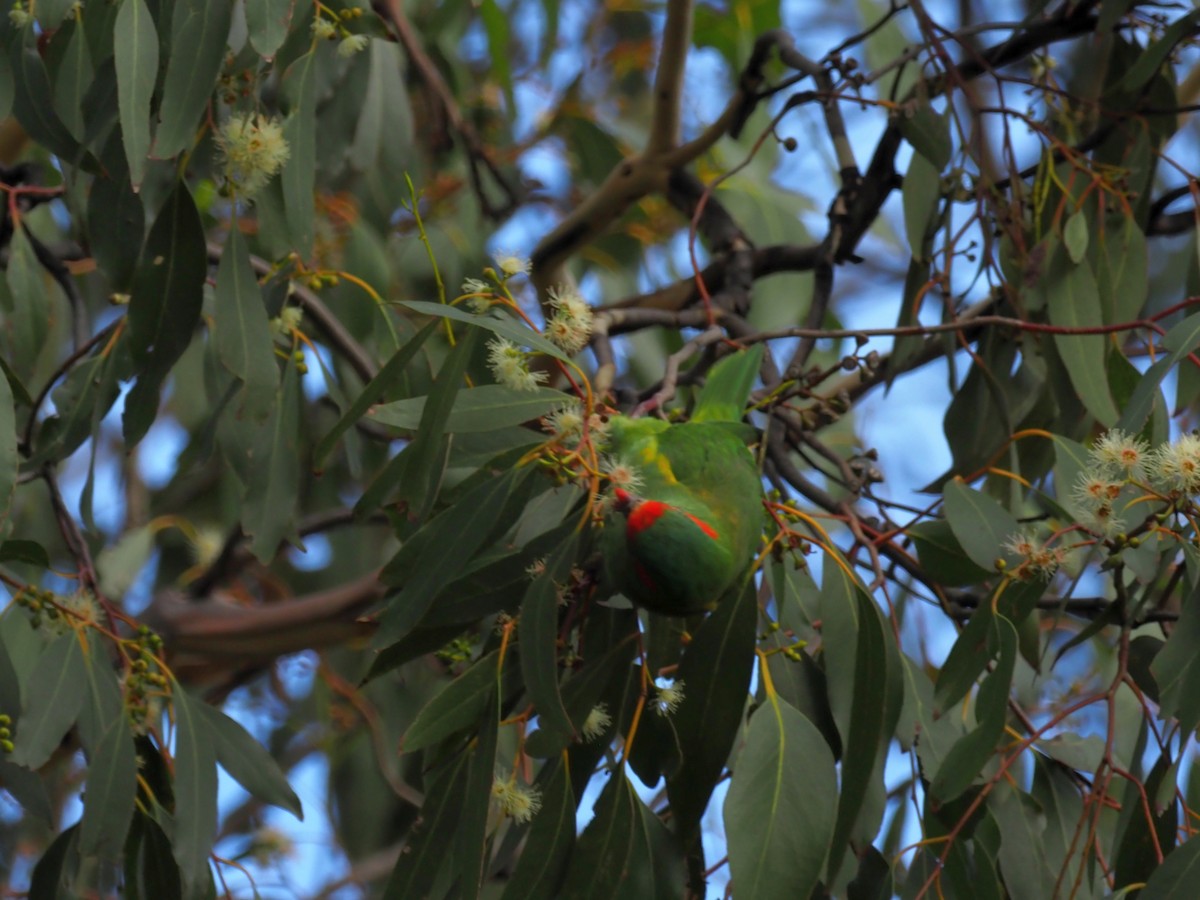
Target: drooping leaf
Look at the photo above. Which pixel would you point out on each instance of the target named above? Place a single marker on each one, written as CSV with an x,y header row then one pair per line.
x,y
783,776
52,701
116,219
972,751
298,177
167,295
268,21
609,860
1075,304
539,637
242,335
418,867
33,103
540,869
727,387
392,372
247,761
9,462
136,54
195,792
426,450
199,29
271,495
454,707
111,789
715,672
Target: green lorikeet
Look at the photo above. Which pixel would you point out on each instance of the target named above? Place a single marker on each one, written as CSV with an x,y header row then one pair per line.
x,y
691,527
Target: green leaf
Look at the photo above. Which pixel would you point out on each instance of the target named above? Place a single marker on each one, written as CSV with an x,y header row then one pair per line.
x,y
135,51
52,701
242,334
967,659
271,495
921,195
1075,303
727,387
780,809
268,21
195,791
715,671
504,326
1022,855
943,557
470,848
1176,668
388,377
164,309
446,543
425,852
495,25
456,706
609,860
25,551
873,717
1153,57
9,463
116,219
247,761
1075,236
980,523
542,864
298,177
28,789
425,452
1176,878
33,100
150,872
103,703
929,133
539,637
110,792
120,564
75,76
1121,270
972,751
199,29
485,408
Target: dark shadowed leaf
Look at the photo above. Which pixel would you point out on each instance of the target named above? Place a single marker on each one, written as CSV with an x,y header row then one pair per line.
x,y
167,294
611,858
456,706
538,632
540,869
388,377
424,854
715,672
150,871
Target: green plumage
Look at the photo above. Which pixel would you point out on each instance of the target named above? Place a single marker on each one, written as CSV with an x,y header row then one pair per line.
x,y
693,524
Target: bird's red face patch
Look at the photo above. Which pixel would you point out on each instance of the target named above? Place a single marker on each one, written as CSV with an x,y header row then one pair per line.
x,y
645,514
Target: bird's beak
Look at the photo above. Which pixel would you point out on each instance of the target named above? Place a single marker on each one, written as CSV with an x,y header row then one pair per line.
x,y
623,500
